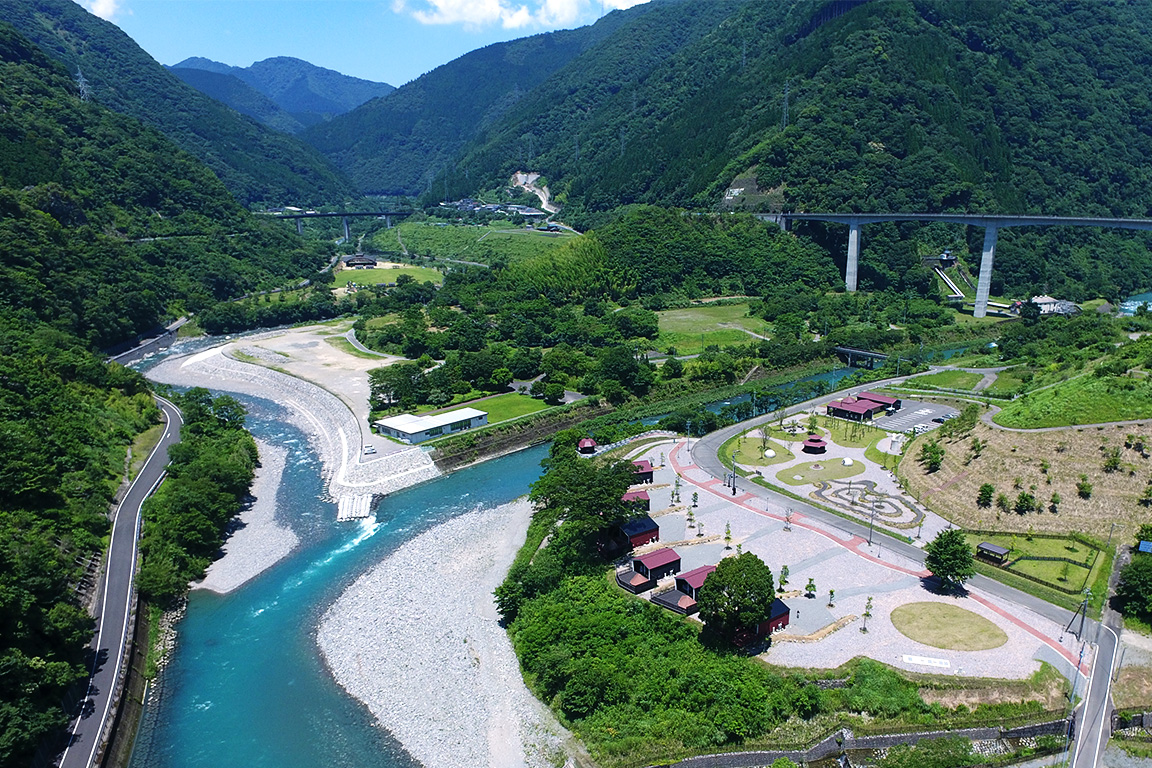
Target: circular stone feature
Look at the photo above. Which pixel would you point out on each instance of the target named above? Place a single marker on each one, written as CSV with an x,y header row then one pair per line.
x,y
946,626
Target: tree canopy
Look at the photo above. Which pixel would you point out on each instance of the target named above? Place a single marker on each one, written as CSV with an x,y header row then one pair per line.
x,y
737,595
949,557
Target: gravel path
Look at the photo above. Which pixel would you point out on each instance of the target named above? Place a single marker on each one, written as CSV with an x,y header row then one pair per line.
x,y
258,542
417,640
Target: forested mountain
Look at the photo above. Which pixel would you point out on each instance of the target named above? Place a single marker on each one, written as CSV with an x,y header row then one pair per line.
x,y
309,94
927,105
257,164
106,226
399,144
231,90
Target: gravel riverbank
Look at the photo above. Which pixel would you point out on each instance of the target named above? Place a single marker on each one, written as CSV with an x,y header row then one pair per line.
x,y
417,639
258,541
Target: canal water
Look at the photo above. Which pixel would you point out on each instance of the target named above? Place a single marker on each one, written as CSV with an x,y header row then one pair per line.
x,y
245,686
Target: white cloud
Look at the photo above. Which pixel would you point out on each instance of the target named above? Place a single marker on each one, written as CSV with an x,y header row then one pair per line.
x,y
105,9
510,14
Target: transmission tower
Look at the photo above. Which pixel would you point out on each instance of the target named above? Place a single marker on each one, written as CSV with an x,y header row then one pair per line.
x,y
82,85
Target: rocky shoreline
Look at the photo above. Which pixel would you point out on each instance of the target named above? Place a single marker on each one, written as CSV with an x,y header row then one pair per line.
x,y
418,640
257,542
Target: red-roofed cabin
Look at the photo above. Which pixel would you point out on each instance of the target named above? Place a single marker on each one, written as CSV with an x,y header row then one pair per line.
x,y
777,619
854,409
643,471
890,403
586,445
641,530
649,569
638,500
658,564
683,598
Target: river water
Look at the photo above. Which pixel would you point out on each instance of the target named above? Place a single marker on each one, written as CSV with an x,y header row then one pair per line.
x,y
245,686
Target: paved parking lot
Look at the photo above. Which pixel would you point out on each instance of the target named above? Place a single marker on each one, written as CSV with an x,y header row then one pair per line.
x,y
914,413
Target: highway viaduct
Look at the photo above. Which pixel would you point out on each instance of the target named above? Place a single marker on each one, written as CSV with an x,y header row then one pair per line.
x,y
992,224
388,216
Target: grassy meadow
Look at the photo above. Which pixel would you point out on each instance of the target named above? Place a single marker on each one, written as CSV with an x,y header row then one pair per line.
x,y
692,329
468,242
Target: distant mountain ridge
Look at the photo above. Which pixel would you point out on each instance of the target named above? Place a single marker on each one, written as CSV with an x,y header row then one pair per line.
x,y
306,93
257,164
231,90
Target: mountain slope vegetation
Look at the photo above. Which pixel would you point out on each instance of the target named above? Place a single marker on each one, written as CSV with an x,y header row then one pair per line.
x,y
257,164
399,144
922,105
231,90
107,227
308,93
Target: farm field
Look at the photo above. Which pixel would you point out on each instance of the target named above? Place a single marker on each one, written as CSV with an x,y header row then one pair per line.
x,y
692,329
387,275
469,242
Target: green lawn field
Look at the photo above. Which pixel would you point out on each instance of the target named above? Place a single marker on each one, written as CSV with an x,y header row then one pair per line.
x,y
692,329
508,406
947,380
831,468
387,275
468,242
950,627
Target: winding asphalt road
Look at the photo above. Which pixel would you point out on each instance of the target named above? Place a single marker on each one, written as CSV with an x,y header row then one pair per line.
x,y
115,605
1093,716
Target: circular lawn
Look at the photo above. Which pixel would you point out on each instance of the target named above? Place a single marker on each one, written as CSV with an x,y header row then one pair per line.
x,y
950,627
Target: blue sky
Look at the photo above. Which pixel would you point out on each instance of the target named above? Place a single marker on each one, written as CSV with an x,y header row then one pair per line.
x,y
392,41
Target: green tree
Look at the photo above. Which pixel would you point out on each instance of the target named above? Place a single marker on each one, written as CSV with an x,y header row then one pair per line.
x,y
867,614
810,587
985,495
949,558
737,595
1025,503
1135,587
931,455
1084,488
783,577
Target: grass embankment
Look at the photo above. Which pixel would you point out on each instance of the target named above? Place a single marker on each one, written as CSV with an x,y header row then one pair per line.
x,y
950,627
509,406
1083,400
346,347
387,274
691,329
142,447
470,242
947,380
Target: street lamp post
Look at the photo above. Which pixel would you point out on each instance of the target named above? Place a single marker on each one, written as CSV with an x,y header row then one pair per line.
x,y
871,522
733,473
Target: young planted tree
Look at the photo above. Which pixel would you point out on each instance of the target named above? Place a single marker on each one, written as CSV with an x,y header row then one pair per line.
x,y
783,577
1054,503
810,588
1084,488
695,498
727,535
985,495
867,614
831,598
949,558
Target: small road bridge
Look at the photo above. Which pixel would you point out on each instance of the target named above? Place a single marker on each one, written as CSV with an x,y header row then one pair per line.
x,y
992,224
861,356
388,216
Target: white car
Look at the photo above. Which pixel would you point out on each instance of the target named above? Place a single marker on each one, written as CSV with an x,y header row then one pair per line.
x,y
369,450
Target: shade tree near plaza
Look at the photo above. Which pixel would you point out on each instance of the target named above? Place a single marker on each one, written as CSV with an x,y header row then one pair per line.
x,y
949,558
737,595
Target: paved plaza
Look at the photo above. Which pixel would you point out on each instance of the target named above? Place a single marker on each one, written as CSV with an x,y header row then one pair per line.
x,y
837,560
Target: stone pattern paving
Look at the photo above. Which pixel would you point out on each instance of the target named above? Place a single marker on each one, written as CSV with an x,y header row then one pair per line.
x,y
856,570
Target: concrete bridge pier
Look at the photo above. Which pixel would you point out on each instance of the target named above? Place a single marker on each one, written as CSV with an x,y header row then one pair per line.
x,y
850,269
300,226
387,222
985,284
347,234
